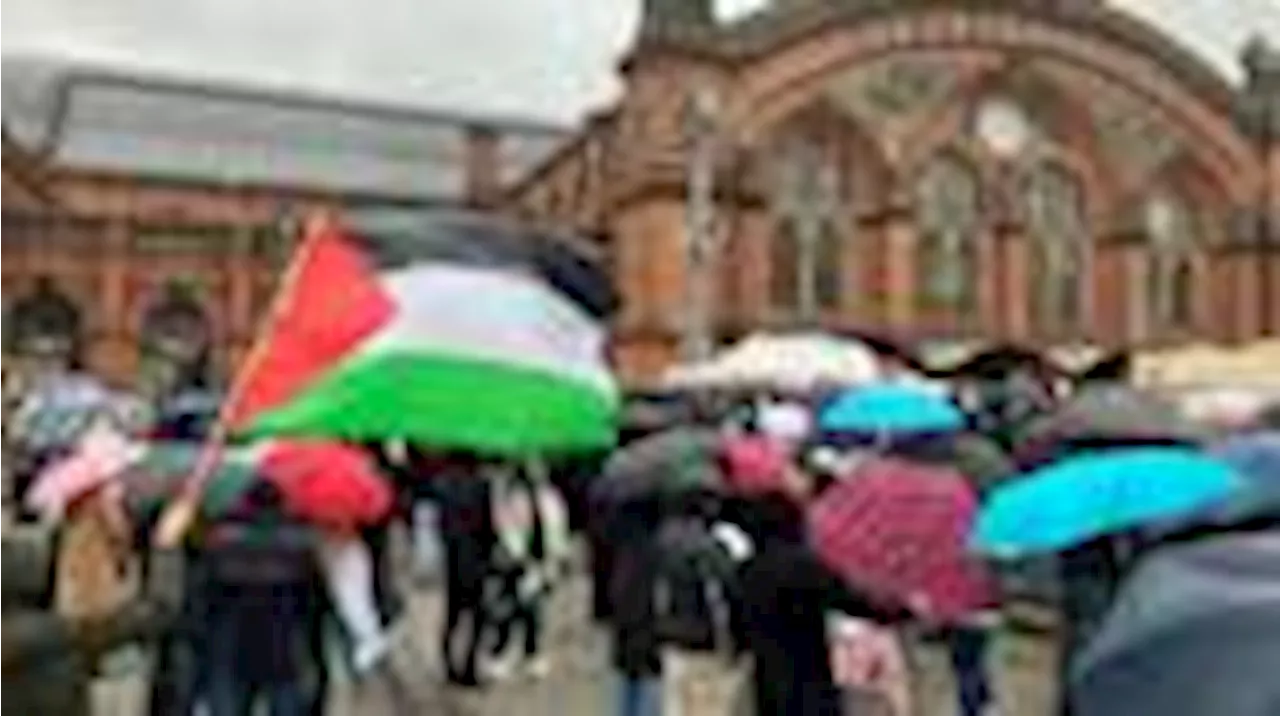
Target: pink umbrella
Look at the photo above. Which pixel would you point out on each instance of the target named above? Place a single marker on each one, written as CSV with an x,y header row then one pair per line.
x,y
897,530
102,454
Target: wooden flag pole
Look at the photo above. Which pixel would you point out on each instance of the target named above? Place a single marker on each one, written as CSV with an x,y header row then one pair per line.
x,y
181,513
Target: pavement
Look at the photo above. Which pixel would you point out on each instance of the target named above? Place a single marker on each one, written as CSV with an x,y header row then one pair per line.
x,y
581,683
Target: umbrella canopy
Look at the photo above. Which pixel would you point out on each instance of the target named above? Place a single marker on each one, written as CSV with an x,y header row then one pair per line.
x,y
895,529
1099,415
1078,499
58,410
979,459
674,462
1256,459
326,483
165,466
792,363
1195,631
101,455
1226,407
888,408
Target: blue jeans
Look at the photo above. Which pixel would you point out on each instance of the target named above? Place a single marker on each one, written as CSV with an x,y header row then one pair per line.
x,y
247,662
968,647
640,697
237,698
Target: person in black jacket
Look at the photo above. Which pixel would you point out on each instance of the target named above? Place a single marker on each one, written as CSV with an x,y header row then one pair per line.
x,y
630,585
259,575
467,531
785,596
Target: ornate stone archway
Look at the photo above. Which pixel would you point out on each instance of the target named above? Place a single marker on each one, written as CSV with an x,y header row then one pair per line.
x,y
1022,90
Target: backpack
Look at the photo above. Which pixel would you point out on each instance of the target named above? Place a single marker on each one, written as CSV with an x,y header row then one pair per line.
x,y
692,586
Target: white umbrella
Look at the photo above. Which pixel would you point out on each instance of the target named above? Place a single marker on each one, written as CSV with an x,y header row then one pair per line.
x,y
799,362
1227,406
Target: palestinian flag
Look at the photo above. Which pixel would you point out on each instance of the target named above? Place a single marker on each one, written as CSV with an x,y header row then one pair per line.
x,y
435,332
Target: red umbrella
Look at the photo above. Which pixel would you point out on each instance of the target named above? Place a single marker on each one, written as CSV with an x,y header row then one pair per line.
x,y
328,484
897,531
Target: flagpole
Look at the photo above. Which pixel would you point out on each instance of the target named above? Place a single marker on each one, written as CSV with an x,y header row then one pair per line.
x,y
181,513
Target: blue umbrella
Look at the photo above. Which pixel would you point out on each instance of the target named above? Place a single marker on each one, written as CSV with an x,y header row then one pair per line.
x,y
1078,499
890,408
1256,458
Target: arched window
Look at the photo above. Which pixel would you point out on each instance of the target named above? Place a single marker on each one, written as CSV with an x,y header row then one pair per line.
x,y
1172,230
1053,203
45,325
175,340
948,205
806,258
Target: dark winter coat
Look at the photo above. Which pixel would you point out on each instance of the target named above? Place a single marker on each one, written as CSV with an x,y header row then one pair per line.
x,y
49,661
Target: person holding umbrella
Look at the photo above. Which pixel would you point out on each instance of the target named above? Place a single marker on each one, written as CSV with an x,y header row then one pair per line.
x,y
787,596
468,534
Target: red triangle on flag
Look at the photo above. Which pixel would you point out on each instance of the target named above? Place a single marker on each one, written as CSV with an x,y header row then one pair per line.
x,y
330,301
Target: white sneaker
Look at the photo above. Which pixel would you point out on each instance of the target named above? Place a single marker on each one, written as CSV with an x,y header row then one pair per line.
x,y
498,668
538,667
368,655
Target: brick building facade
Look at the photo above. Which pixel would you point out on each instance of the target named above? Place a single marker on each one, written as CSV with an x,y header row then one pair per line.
x,y
1038,170
144,217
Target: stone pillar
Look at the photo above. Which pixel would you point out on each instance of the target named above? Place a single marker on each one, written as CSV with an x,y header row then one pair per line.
x,y
1013,262
116,359
987,269
650,265
743,268
898,233
240,318
1242,265
483,166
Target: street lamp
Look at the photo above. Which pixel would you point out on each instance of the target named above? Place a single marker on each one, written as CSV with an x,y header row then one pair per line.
x,y
701,126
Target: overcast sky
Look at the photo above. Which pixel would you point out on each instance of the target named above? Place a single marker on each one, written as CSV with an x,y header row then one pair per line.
x,y
550,59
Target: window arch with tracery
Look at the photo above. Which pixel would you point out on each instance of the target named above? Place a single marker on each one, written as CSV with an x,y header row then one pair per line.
x,y
948,211
175,340
806,255
1057,224
45,325
1173,230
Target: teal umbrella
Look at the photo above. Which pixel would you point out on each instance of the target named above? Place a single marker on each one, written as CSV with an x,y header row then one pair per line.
x,y
1078,499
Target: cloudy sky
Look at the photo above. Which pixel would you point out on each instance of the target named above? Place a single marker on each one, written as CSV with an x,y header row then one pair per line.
x,y
551,59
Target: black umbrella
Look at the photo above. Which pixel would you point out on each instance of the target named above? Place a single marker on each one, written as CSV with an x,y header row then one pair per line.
x,y
674,463
1194,632
470,238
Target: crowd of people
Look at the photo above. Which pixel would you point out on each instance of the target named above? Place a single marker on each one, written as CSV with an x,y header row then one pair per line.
x,y
690,571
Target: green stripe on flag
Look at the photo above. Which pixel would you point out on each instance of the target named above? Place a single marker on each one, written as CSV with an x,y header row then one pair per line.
x,y
448,402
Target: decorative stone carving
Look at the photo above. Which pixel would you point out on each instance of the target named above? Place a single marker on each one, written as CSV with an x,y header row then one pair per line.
x,y
1003,126
1127,131
675,19
893,89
